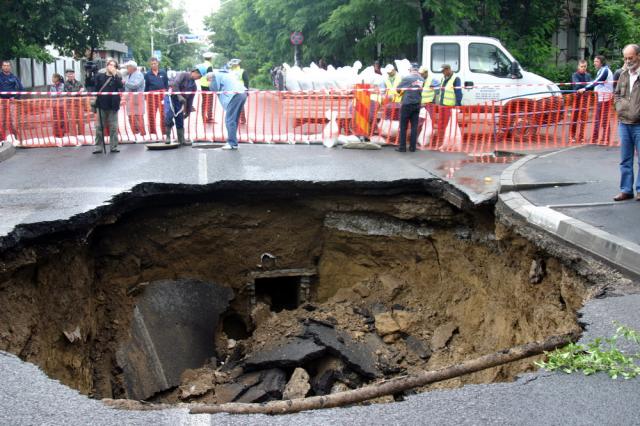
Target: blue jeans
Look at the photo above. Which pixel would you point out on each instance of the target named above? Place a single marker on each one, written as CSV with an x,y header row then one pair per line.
x,y
236,104
629,144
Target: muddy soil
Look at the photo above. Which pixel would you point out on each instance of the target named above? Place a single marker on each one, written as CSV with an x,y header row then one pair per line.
x,y
426,283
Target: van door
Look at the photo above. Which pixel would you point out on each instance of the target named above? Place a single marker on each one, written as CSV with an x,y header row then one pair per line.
x,y
489,74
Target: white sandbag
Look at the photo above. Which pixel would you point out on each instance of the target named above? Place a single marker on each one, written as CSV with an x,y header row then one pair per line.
x,y
403,66
330,142
452,139
427,128
388,128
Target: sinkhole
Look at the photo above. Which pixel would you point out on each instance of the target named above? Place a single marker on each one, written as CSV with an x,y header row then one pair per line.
x,y
265,294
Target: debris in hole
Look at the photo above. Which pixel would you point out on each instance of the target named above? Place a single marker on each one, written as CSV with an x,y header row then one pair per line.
x,y
442,335
171,331
74,335
197,382
298,385
290,354
537,271
418,347
269,388
261,313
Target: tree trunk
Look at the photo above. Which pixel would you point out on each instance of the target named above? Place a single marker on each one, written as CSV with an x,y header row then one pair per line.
x,y
393,386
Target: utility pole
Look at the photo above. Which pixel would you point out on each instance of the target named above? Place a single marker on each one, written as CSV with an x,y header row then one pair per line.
x,y
582,40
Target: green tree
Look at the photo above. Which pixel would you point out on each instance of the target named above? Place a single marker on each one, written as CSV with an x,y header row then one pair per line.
x,y
344,30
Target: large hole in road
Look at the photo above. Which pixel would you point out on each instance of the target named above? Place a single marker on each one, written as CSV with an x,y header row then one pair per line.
x,y
230,296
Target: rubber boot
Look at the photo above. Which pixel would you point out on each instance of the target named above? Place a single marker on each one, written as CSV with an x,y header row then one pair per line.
x,y
167,136
180,136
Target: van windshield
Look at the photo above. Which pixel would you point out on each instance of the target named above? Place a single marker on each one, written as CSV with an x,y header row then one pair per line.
x,y
488,59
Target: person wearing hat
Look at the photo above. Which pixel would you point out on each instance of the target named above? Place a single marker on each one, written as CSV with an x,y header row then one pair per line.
x,y
232,95
428,91
241,75
74,104
389,85
207,98
134,86
410,88
177,107
449,96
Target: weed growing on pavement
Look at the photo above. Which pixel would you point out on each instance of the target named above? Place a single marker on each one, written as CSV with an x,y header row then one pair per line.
x,y
602,354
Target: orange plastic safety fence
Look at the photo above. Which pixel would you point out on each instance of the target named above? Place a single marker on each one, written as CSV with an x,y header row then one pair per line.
x,y
321,115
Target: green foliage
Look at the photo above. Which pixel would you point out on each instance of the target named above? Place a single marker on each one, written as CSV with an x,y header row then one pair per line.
x,y
601,355
74,26
613,23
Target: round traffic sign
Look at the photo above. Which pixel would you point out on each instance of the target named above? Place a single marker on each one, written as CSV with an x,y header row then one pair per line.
x,y
296,38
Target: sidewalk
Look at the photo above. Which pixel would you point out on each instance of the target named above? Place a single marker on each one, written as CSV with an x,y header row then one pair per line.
x,y
569,193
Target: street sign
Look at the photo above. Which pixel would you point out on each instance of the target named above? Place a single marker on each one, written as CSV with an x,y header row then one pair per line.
x,y
192,38
296,38
157,54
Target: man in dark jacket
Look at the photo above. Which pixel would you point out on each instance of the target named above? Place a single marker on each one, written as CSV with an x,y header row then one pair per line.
x,y
157,82
8,83
107,106
580,79
627,103
410,107
178,107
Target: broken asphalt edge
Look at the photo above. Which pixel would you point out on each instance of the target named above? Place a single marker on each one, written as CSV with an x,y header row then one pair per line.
x,y
7,150
151,194
613,250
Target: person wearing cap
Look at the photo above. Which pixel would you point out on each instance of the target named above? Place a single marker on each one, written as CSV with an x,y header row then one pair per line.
x,y
389,85
156,83
241,74
207,98
232,95
449,96
428,91
134,86
410,89
177,107
73,104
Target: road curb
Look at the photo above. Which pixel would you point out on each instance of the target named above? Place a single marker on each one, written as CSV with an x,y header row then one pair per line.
x,y
7,150
614,250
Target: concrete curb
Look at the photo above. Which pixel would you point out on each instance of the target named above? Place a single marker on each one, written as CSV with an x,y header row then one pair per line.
x,y
7,150
614,250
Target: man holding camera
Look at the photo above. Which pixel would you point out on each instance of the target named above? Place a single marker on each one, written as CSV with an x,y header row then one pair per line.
x,y
107,106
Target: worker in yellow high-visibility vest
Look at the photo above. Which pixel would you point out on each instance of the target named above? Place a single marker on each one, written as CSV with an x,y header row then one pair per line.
x,y
207,98
239,72
449,96
391,98
428,91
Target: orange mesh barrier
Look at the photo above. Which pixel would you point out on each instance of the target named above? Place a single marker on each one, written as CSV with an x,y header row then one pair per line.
x,y
320,115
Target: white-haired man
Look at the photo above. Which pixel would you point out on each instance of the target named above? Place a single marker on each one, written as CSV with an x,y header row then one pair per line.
x,y
134,86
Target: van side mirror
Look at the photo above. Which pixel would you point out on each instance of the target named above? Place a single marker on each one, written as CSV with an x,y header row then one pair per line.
x,y
515,70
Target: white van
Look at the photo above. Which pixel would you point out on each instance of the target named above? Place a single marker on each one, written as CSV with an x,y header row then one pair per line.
x,y
482,62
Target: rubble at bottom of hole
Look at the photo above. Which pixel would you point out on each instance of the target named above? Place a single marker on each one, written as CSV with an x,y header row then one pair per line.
x,y
319,358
